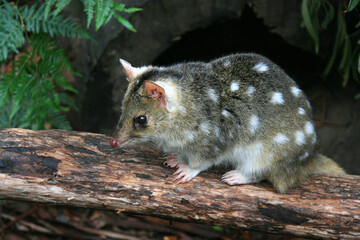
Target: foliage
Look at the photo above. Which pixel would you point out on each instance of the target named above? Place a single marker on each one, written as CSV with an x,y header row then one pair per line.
x,y
103,10
16,21
317,16
40,70
33,90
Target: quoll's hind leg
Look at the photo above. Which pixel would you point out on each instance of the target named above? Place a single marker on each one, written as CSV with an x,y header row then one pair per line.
x,y
236,177
283,178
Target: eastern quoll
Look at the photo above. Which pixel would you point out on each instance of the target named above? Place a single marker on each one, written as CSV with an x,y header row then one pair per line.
x,y
240,109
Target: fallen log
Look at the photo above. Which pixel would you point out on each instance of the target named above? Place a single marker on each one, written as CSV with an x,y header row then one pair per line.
x,y
81,169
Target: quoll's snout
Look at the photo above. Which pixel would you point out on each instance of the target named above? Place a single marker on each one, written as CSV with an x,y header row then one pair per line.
x,y
114,143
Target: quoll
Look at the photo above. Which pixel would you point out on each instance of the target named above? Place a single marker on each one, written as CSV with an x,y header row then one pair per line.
x,y
240,109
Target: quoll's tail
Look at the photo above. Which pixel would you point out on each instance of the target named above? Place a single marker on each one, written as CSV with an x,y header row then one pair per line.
x,y
323,164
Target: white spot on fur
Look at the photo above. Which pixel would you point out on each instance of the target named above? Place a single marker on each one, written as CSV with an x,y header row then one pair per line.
x,y
254,123
277,98
227,63
295,91
212,94
308,104
314,139
301,111
304,156
250,91
216,149
309,128
261,67
190,136
270,158
182,109
205,127
299,137
234,86
225,113
217,131
280,138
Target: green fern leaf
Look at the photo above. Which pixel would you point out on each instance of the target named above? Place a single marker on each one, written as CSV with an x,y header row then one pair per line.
x,y
34,19
89,10
60,5
352,5
309,22
48,5
29,89
121,8
125,22
103,11
132,10
11,32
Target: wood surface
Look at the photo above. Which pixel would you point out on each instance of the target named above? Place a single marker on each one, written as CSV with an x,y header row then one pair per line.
x,y
81,169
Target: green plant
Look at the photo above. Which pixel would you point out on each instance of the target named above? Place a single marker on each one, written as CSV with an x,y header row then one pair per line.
x,y
345,54
27,93
33,90
103,10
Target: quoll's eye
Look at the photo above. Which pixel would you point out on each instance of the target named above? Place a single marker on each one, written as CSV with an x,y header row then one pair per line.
x,y
140,121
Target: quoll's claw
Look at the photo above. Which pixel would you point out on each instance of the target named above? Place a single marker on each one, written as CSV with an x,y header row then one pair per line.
x,y
171,161
185,174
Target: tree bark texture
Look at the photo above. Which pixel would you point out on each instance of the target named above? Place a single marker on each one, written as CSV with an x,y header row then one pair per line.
x,y
81,169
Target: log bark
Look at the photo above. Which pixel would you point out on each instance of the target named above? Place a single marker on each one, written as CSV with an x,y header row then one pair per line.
x,y
81,169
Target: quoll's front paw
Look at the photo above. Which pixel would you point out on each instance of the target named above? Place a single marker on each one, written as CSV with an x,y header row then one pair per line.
x,y
172,161
185,173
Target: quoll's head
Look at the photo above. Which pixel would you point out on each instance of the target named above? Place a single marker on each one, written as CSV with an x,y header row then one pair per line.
x,y
143,108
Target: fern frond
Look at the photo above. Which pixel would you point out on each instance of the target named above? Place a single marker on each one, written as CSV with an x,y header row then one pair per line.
x,y
11,31
125,22
34,20
89,10
48,5
103,13
59,121
29,89
121,8
60,5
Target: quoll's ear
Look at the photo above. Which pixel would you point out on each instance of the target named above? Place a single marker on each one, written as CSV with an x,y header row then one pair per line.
x,y
130,71
156,92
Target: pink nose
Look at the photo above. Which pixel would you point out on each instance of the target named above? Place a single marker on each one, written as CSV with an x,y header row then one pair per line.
x,y
114,143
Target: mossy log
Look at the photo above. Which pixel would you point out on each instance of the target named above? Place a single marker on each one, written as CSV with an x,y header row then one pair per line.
x,y
81,169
